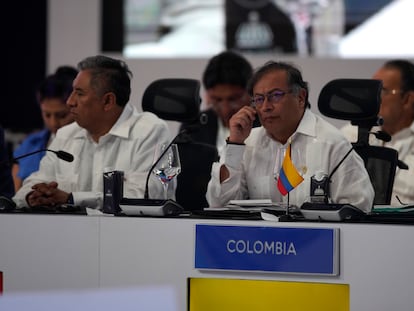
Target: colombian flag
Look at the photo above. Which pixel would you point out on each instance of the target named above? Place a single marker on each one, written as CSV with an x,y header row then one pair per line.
x,y
289,177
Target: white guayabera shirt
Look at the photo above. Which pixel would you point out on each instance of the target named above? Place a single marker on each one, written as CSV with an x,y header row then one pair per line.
x,y
129,146
317,148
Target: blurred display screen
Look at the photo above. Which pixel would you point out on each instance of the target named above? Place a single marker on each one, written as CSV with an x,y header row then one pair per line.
x,y
320,28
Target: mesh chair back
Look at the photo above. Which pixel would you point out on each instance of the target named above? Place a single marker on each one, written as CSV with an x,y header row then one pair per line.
x,y
358,100
173,99
381,163
350,99
179,100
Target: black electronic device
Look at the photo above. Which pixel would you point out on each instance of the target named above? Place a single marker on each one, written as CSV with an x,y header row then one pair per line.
x,y
331,212
319,188
320,208
9,206
113,191
149,207
6,204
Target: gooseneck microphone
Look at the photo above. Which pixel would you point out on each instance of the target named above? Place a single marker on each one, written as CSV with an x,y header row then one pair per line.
x,y
338,165
326,211
182,132
63,155
154,207
320,183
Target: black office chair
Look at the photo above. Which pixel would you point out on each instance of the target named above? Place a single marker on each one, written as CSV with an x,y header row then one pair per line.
x,y
358,100
179,100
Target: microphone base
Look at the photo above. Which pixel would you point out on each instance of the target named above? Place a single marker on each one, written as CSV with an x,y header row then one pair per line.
x,y
149,207
331,212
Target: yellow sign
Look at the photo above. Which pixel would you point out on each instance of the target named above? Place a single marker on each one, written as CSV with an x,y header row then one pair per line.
x,y
260,295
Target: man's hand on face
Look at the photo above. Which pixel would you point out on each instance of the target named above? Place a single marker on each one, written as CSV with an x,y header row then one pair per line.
x,y
241,124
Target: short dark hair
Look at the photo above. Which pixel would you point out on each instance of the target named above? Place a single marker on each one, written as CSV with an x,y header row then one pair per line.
x,y
58,84
294,77
109,75
406,69
227,67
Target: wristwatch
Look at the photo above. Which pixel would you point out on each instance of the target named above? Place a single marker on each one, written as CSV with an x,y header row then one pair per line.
x,y
228,142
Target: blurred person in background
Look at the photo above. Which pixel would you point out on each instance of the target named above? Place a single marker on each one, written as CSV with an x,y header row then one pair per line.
x,y
225,81
52,94
397,112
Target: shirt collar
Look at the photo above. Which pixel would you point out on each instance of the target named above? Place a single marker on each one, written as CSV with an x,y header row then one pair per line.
x,y
307,126
125,121
122,125
404,133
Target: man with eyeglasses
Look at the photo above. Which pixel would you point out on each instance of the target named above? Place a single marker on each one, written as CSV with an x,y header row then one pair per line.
x,y
224,80
397,111
252,159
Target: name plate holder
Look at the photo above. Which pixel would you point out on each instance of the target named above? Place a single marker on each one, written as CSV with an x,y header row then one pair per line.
x,y
270,249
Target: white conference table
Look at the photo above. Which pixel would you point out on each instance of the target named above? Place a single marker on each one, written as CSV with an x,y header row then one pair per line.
x,y
69,252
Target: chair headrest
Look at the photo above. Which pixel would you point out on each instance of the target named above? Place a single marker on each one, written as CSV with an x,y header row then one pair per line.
x,y
350,99
173,99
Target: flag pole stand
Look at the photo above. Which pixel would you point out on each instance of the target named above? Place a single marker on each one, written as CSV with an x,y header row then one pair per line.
x,y
287,216
288,179
287,206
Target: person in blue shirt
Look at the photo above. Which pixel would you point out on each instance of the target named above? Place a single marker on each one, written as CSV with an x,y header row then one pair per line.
x,y
51,94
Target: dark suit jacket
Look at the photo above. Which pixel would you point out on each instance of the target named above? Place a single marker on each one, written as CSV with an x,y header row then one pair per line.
x,y
6,180
197,151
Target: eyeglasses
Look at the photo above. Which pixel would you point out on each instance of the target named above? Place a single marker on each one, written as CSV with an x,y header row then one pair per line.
x,y
385,91
273,97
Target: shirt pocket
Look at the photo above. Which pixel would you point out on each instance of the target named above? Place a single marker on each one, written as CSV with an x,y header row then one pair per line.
x,y
261,187
134,184
403,183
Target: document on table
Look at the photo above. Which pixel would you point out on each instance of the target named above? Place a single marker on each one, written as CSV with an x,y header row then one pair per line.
x,y
259,205
383,209
263,209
